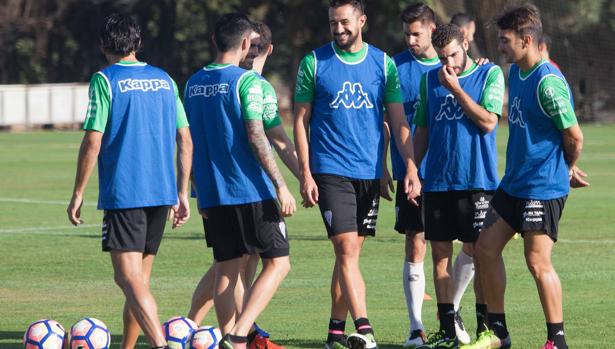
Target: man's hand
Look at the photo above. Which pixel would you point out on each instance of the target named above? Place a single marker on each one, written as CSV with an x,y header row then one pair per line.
x,y
288,205
309,191
449,79
180,213
482,61
577,178
386,185
412,187
74,209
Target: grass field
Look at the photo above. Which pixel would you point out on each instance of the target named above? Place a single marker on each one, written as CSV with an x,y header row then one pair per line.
x,y
49,269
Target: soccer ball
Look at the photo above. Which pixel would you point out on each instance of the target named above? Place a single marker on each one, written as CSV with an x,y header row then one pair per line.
x,y
177,331
44,334
205,337
89,333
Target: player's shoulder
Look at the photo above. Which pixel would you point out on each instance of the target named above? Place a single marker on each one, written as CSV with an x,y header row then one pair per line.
x,y
403,57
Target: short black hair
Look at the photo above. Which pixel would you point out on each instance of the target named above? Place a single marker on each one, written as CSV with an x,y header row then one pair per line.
x,y
265,36
357,4
120,35
546,40
461,19
418,12
230,29
523,20
445,34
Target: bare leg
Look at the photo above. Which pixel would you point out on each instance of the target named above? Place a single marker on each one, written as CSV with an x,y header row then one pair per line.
x,y
131,278
442,252
131,326
538,247
227,279
203,297
265,286
347,248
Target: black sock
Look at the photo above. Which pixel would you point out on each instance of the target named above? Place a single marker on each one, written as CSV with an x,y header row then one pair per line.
x,y
362,325
481,318
336,330
555,333
446,311
497,322
238,339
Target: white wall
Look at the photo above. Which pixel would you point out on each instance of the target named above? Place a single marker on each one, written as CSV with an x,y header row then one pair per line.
x,y
42,104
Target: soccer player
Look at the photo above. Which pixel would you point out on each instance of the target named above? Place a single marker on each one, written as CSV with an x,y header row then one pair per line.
x,y
456,118
342,89
467,25
134,119
544,46
418,22
237,180
544,146
202,300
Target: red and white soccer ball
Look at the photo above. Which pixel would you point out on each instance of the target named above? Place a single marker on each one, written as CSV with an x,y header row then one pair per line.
x,y
44,334
205,337
89,333
177,331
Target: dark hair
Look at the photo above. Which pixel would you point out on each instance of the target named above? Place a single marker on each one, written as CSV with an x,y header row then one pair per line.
x,y
523,20
357,4
120,35
418,12
230,29
265,36
445,34
461,19
545,39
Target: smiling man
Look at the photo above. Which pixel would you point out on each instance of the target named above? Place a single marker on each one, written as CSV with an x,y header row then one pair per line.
x,y
456,118
342,89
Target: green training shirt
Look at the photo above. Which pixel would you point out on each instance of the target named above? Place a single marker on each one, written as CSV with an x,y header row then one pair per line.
x,y
555,100
99,106
304,90
271,114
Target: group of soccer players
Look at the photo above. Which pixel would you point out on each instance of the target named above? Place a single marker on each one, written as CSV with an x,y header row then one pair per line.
x,y
439,105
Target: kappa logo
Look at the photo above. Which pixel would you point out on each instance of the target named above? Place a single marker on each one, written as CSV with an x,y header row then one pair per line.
x,y
144,85
450,109
516,115
207,90
351,96
328,217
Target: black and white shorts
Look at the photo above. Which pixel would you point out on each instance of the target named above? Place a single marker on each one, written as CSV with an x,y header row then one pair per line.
x,y
525,215
408,217
134,229
455,215
235,230
347,204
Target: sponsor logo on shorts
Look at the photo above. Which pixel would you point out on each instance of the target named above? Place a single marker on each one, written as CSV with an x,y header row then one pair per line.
x,y
351,96
533,204
370,221
534,211
481,204
144,85
328,217
207,90
104,231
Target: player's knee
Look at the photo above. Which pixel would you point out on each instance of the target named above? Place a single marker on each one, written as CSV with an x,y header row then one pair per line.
x,y
281,265
538,266
128,280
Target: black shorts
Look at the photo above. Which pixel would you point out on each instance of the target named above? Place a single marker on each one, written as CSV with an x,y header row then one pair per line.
x,y
134,229
235,230
347,204
408,217
455,215
525,215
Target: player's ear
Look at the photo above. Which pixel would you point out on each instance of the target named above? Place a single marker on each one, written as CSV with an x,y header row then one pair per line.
x,y
269,50
362,20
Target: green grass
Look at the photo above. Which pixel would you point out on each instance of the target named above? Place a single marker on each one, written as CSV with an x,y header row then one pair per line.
x,y
49,269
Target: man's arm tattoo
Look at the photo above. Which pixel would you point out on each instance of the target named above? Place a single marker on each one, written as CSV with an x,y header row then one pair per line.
x,y
262,151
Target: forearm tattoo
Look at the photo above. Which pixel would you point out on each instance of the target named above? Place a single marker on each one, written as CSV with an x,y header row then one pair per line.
x,y
262,151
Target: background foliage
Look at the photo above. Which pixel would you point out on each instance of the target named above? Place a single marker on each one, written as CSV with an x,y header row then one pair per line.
x,y
57,40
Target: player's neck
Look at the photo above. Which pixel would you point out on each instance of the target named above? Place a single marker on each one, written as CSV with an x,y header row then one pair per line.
x,y
230,57
430,53
112,59
355,47
529,60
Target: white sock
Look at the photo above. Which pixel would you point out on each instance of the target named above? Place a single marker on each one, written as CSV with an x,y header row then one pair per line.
x,y
414,289
463,272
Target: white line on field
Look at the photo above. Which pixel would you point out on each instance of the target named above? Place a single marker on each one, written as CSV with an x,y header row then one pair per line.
x,y
46,229
44,202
